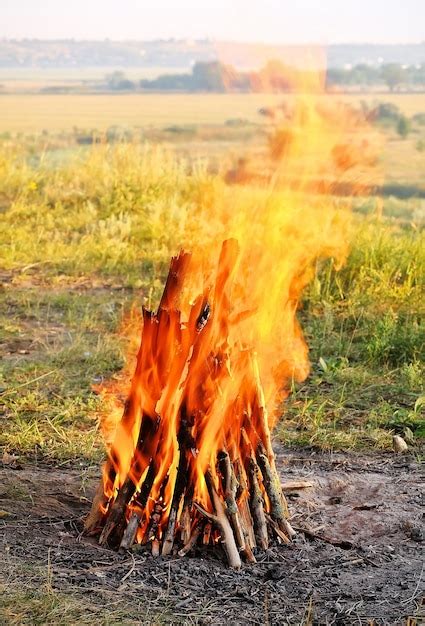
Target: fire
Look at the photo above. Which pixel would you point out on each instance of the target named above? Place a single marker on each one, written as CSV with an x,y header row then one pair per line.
x,y
221,351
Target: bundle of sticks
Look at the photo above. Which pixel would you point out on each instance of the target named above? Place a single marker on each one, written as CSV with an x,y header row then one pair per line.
x,y
192,463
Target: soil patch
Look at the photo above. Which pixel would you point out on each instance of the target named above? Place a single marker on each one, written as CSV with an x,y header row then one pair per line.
x,y
358,555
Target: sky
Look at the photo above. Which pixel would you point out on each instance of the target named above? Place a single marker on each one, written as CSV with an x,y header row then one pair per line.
x,y
268,21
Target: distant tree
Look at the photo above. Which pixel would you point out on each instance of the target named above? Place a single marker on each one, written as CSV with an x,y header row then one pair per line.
x,y
417,75
213,76
119,82
393,75
169,82
403,126
363,74
336,76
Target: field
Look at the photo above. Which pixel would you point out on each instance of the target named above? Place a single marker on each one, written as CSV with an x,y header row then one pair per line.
x,y
86,238
27,113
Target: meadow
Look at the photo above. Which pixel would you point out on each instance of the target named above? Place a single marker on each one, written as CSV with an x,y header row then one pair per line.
x,y
86,233
85,240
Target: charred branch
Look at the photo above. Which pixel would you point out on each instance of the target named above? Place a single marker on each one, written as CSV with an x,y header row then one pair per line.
x,y
279,508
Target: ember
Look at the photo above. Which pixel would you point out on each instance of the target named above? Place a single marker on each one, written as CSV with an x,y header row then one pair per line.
x,y
191,463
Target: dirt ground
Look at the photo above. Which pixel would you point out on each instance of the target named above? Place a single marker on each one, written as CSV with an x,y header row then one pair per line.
x,y
357,558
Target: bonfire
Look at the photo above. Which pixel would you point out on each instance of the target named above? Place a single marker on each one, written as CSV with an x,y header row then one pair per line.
x,y
191,463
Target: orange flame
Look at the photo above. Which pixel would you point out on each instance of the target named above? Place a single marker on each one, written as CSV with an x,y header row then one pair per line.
x,y
226,328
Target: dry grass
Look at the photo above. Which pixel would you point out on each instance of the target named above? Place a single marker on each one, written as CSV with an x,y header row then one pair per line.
x,y
33,113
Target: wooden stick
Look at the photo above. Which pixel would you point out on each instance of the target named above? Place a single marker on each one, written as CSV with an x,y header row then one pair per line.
x,y
257,506
247,523
186,442
277,529
130,531
230,487
279,509
99,504
155,547
197,530
116,516
136,517
242,496
115,523
295,485
185,523
220,520
168,542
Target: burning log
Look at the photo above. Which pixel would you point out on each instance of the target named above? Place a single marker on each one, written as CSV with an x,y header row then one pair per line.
x,y
192,462
185,444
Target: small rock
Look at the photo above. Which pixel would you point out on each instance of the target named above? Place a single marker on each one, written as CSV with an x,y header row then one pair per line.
x,y
399,444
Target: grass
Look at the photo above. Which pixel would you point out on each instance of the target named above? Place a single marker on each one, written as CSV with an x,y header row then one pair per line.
x,y
27,113
367,336
41,604
84,240
38,608
59,346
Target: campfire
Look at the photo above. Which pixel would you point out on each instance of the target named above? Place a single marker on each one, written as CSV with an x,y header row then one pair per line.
x,y
203,467
191,464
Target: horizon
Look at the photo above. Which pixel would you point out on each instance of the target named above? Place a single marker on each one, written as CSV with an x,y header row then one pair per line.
x,y
268,23
301,44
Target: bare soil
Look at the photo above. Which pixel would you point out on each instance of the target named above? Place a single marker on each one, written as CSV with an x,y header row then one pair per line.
x,y
357,558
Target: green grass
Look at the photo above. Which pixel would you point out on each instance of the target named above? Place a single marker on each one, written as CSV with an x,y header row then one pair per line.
x,y
59,345
84,240
365,326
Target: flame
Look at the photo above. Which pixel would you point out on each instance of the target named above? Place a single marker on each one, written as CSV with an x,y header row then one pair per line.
x,y
221,352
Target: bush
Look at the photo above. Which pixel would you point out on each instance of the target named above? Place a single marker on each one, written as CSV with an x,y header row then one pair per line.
x,y
403,126
386,111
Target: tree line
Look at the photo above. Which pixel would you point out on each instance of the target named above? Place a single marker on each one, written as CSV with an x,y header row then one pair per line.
x,y
275,76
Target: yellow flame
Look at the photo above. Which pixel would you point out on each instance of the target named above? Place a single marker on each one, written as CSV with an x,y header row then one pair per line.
x,y
275,234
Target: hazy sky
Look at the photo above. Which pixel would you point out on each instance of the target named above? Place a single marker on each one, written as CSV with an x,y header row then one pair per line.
x,y
272,21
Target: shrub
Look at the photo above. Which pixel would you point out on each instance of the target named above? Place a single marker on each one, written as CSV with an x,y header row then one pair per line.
x,y
403,126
